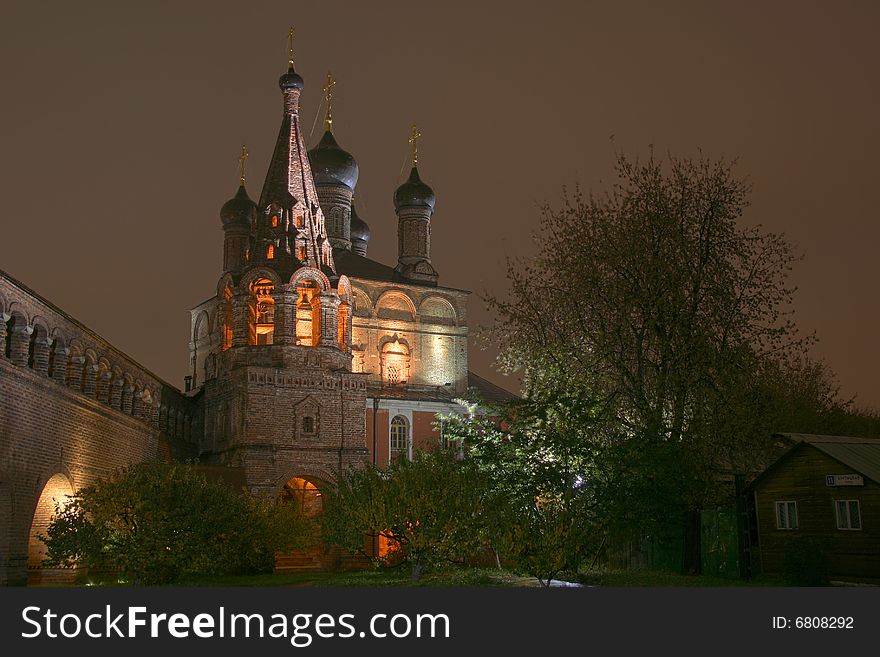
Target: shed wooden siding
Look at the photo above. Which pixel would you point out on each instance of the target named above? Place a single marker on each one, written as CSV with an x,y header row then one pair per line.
x,y
800,476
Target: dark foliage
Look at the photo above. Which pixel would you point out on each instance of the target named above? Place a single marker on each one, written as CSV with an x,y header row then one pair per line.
x,y
155,523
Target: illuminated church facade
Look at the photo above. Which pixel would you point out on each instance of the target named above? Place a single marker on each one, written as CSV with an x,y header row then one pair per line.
x,y
311,357
308,358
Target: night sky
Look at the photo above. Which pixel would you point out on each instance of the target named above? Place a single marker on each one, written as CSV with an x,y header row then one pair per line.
x,y
121,128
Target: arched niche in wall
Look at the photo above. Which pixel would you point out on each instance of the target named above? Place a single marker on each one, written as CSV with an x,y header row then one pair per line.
x,y
394,359
437,310
395,305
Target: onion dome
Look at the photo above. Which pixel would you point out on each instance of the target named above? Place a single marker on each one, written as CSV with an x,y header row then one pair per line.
x,y
291,80
414,193
331,165
360,233
240,209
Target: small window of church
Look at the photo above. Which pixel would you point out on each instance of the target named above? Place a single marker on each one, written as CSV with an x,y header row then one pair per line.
x,y
274,221
308,328
227,319
270,252
399,438
308,425
343,323
261,323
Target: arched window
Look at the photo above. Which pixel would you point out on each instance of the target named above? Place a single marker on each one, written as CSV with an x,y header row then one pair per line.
x,y
262,312
227,319
10,330
32,348
55,358
343,323
399,438
308,313
395,363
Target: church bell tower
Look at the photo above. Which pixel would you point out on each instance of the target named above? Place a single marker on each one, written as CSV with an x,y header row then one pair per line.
x,y
271,351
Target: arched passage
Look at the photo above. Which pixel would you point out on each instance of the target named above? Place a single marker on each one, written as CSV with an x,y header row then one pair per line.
x,y
305,492
55,493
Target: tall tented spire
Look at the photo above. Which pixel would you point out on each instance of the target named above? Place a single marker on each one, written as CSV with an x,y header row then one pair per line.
x,y
289,200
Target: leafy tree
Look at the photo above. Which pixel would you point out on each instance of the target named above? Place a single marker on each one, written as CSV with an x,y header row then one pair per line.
x,y
549,536
431,510
653,300
154,523
539,455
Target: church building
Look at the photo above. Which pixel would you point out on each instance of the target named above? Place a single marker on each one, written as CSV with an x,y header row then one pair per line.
x,y
308,358
311,357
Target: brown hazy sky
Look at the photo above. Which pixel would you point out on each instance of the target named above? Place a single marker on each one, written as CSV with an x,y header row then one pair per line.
x,y
121,125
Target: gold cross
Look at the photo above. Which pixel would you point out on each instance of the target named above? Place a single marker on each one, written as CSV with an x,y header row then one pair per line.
x,y
414,140
242,159
290,47
328,95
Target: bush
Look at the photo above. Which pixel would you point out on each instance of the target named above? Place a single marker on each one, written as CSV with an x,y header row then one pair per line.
x,y
806,562
155,523
430,511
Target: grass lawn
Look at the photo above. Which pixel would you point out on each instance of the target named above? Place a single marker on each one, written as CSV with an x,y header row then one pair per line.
x,y
663,578
462,577
392,577
477,577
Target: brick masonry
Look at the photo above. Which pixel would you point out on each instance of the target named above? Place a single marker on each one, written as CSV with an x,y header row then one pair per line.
x,y
72,410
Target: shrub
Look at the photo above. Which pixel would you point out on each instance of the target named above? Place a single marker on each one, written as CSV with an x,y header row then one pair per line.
x,y
155,523
806,562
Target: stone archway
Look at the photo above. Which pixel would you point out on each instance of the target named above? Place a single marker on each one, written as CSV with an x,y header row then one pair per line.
x,y
305,492
55,492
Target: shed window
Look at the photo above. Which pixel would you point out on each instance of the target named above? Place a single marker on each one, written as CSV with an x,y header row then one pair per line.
x,y
848,514
786,515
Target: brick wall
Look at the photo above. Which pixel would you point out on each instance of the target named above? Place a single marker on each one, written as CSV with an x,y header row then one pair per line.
x,y
431,322
72,410
255,415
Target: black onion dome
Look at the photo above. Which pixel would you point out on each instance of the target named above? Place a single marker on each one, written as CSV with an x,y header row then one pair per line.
x,y
360,231
331,165
414,193
291,80
240,209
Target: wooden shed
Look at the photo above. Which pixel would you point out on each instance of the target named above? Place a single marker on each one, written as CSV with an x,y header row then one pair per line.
x,y
826,488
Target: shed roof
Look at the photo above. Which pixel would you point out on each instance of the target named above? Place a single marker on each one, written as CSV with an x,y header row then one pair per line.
x,y
860,454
